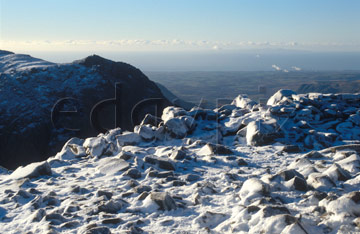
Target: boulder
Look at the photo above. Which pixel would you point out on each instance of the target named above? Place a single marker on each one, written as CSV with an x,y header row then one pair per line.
x,y
163,200
243,101
279,96
32,170
262,132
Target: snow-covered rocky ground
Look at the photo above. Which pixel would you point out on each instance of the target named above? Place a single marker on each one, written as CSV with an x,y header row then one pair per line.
x,y
290,167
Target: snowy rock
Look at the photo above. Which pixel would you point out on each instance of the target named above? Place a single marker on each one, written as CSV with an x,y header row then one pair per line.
x,y
279,96
95,146
163,200
252,189
98,230
161,163
112,166
243,101
336,173
128,138
171,112
110,206
209,219
32,170
262,132
72,149
178,155
146,132
178,127
133,173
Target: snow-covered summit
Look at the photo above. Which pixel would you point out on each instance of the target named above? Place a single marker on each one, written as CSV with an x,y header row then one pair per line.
x,y
10,62
290,167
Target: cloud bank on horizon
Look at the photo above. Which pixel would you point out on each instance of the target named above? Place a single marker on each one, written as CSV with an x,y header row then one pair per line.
x,y
166,45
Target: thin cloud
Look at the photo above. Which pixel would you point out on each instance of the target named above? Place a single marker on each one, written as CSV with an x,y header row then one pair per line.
x,y
277,68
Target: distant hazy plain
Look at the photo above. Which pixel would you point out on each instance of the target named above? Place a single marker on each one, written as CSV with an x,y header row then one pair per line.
x,y
221,60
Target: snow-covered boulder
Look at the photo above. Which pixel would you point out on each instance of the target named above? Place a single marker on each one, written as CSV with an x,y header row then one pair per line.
x,y
95,146
253,188
262,132
279,96
171,112
243,101
32,170
128,138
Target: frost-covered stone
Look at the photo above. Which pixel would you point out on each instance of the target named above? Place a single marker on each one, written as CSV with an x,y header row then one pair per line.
x,y
171,112
146,132
95,146
279,96
253,188
262,132
177,127
209,219
112,166
72,149
243,101
128,138
163,200
32,170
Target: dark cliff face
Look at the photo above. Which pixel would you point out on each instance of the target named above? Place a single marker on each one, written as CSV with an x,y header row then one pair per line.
x,y
34,123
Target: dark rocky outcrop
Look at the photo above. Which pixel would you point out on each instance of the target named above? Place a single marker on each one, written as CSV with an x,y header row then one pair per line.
x,y
32,124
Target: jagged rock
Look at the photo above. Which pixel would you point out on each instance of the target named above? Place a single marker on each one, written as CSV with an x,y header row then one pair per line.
x,y
313,155
110,206
163,174
336,173
289,174
298,183
142,188
133,173
219,149
32,170
70,224
146,132
55,218
162,163
98,230
292,149
125,155
107,194
269,211
178,183
143,195
178,155
179,127
112,221
38,215
163,200
192,177
241,162
320,181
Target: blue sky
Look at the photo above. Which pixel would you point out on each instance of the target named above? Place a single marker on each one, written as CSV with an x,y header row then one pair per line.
x,y
173,25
